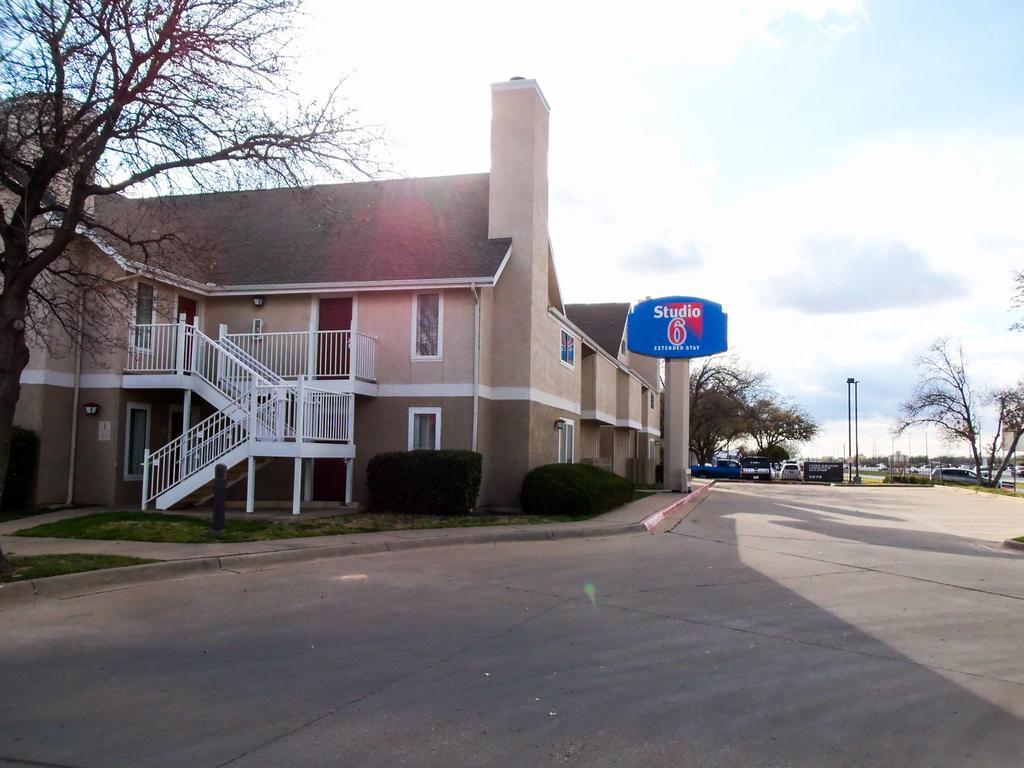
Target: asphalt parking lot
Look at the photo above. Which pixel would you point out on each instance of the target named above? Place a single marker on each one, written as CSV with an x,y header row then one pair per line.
x,y
774,626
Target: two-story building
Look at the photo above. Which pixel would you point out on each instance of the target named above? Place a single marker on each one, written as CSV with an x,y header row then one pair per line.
x,y
314,328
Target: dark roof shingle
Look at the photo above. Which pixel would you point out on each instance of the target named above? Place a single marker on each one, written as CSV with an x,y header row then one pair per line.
x,y
404,229
604,323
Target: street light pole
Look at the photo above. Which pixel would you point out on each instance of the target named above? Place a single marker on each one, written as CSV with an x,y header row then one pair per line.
x,y
856,432
849,430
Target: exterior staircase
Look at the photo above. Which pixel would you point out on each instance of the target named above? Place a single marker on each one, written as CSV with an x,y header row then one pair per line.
x,y
259,414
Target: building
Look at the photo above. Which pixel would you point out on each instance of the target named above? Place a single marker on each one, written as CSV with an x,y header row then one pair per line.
x,y
314,328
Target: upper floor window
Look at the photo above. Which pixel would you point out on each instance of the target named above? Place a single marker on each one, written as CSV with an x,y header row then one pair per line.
x,y
143,316
567,353
652,399
426,332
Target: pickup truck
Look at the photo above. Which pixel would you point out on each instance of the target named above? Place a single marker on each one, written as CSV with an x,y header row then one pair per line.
x,y
723,468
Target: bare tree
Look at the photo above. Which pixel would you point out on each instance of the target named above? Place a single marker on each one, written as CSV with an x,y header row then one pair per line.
x,y
1009,405
771,421
98,97
720,392
944,397
1018,298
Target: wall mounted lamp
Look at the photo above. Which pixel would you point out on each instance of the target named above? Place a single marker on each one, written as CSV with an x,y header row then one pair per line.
x,y
91,409
559,423
258,301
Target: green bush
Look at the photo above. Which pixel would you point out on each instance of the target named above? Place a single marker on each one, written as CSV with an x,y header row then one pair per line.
x,y
579,490
908,480
424,482
21,470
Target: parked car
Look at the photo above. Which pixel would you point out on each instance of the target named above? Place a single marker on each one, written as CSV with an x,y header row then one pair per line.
x,y
723,468
755,468
791,471
955,475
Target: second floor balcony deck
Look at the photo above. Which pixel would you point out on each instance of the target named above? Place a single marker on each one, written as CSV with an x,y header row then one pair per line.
x,y
167,348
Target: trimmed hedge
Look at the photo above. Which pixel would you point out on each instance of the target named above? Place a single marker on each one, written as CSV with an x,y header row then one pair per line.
x,y
425,482
21,470
579,490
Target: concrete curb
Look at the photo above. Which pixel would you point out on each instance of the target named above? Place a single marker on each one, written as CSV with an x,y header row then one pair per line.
x,y
1011,544
652,522
105,580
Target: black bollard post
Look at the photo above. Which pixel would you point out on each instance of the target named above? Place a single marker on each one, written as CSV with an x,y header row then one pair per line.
x,y
220,487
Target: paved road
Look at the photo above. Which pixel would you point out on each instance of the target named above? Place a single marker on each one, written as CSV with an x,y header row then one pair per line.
x,y
776,626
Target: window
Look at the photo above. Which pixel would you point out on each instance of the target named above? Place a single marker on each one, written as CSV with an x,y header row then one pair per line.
x,y
428,313
143,316
257,326
566,441
424,429
652,399
136,440
567,353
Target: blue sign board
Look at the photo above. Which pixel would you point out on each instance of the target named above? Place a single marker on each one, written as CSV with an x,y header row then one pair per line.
x,y
677,326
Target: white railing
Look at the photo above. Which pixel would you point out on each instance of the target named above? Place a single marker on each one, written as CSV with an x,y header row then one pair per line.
x,y
153,347
196,449
326,416
182,348
285,353
366,357
323,354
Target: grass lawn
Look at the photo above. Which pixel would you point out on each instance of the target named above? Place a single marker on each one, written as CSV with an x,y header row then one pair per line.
x,y
40,566
996,491
186,529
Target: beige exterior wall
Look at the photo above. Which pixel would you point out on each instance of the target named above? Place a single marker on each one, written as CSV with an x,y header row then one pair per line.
x,y
389,316
628,400
280,312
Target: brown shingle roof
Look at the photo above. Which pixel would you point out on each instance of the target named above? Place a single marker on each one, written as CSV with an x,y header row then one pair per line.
x,y
404,229
604,323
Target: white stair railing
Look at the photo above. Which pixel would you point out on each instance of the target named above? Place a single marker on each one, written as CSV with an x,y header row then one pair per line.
x,y
259,410
196,449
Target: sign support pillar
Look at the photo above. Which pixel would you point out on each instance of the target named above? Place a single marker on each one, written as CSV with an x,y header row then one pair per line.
x,y
677,425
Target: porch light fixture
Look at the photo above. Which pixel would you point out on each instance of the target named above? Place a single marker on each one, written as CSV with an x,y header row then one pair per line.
x,y
559,423
258,301
91,409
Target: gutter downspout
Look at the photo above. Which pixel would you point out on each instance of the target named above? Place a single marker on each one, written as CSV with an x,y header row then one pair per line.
x,y
73,450
476,363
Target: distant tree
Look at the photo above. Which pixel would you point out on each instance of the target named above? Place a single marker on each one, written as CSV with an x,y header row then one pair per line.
x,y
1018,298
944,397
720,392
98,97
1009,406
771,422
775,453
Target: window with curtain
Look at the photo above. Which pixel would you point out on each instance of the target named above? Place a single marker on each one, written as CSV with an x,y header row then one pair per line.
x,y
428,324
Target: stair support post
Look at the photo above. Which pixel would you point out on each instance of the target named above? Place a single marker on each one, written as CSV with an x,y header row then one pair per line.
x,y
297,487
300,410
250,486
179,352
349,477
145,477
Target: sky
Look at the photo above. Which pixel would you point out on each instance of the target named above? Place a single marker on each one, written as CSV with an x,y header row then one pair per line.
x,y
844,176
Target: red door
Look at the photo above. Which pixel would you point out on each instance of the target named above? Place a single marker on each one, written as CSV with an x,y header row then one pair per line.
x,y
333,347
329,479
186,307
333,360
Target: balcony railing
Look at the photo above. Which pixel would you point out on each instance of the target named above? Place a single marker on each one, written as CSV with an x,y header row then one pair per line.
x,y
169,348
319,354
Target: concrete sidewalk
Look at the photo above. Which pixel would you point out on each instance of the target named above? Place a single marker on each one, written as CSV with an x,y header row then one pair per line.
x,y
180,560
